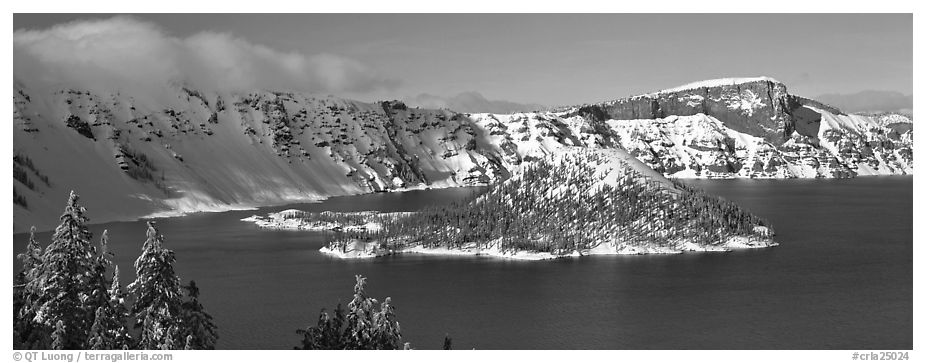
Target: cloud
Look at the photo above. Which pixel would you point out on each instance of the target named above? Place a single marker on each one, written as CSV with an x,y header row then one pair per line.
x,y
471,102
124,52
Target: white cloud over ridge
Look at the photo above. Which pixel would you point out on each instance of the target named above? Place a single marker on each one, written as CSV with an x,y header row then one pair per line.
x,y
124,52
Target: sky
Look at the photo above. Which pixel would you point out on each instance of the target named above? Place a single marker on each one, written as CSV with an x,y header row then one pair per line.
x,y
549,59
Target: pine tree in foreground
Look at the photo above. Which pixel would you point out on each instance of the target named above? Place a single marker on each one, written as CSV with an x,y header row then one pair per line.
x,y
26,334
120,314
158,298
363,327
109,330
64,279
198,329
99,299
63,299
59,336
326,334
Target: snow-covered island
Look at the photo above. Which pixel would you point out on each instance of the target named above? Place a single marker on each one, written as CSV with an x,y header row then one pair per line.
x,y
575,203
294,219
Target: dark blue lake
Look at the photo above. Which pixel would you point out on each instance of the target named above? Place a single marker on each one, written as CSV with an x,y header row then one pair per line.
x,y
841,279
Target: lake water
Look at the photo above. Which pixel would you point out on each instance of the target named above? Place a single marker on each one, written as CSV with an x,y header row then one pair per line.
x,y
841,279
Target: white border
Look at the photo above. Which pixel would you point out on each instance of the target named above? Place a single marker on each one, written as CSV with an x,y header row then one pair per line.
x,y
788,6
469,6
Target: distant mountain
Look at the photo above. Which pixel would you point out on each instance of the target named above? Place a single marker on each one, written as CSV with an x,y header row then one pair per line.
x,y
181,149
752,127
869,101
471,102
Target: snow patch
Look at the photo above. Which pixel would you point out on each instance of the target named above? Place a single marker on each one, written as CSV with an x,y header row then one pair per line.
x,y
692,100
714,83
743,242
746,102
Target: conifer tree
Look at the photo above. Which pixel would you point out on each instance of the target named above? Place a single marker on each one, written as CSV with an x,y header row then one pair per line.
x,y
25,295
63,298
361,328
109,330
32,257
63,277
120,313
158,298
99,339
198,328
327,334
359,317
387,333
99,295
59,336
169,341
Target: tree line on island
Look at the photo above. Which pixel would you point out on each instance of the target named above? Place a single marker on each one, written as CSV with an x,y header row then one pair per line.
x,y
563,207
68,295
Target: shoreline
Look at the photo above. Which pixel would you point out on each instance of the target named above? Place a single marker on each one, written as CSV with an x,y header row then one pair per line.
x,y
172,213
222,208
359,251
296,220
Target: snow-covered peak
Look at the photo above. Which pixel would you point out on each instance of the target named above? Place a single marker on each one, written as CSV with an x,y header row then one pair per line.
x,y
715,83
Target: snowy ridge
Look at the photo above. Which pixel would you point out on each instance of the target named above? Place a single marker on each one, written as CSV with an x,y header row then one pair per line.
x,y
169,153
709,83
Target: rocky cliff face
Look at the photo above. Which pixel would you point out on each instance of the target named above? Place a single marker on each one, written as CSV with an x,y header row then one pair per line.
x,y
185,150
752,127
755,106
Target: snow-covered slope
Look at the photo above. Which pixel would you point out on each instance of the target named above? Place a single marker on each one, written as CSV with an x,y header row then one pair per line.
x,y
182,150
701,146
189,151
